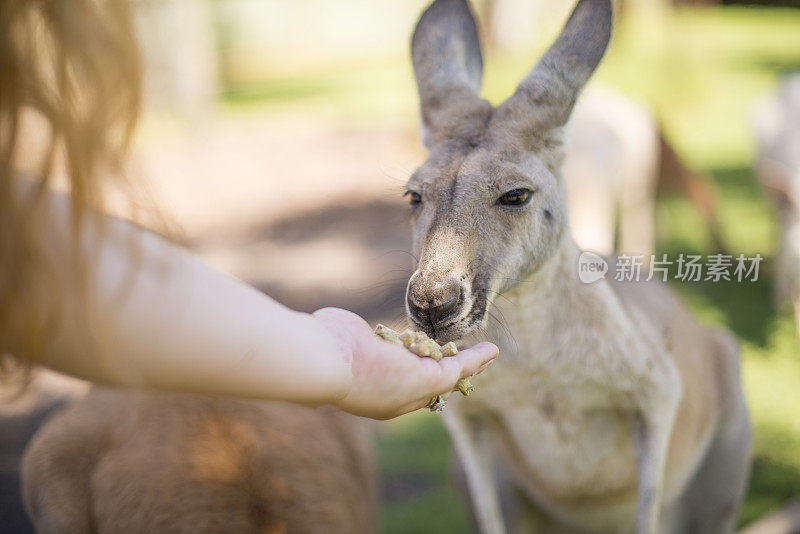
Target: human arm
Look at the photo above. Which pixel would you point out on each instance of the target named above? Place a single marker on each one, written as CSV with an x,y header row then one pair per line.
x,y
151,314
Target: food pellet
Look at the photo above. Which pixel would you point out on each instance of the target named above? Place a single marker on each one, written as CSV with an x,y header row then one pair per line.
x,y
420,344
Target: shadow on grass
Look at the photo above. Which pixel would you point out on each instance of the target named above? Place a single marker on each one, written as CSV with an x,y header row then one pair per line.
x,y
772,481
746,218
747,307
772,64
737,180
378,226
420,495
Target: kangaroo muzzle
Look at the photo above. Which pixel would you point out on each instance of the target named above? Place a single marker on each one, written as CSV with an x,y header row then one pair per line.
x,y
433,300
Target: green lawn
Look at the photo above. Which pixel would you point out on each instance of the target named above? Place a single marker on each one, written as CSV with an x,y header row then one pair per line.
x,y
701,70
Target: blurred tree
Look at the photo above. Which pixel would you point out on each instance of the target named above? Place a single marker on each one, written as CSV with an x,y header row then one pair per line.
x,y
179,51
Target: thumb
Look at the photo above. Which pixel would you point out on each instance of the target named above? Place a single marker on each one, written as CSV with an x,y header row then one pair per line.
x,y
466,363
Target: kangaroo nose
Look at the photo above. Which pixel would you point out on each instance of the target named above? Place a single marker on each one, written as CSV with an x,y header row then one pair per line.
x,y
437,312
432,303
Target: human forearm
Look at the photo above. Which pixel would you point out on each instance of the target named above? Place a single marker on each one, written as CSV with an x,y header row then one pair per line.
x,y
153,315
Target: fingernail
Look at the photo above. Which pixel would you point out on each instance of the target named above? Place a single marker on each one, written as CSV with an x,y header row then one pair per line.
x,y
484,366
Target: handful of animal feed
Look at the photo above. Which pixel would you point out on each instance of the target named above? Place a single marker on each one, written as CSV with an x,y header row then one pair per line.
x,y
423,346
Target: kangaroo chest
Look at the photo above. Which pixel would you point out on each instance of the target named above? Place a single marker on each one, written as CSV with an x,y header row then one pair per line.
x,y
564,441
561,394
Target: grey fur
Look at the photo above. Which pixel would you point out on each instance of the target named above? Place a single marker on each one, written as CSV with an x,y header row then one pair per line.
x,y
448,66
609,409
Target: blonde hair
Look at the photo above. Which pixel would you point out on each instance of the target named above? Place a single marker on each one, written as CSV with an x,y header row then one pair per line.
x,y
75,64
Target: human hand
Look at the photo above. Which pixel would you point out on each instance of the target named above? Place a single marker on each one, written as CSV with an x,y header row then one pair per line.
x,y
388,380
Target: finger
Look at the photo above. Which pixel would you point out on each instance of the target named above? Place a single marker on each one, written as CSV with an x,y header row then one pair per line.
x,y
466,363
483,367
418,405
474,359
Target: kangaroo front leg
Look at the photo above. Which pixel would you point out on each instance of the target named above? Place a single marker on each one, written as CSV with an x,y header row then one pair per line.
x,y
651,429
471,441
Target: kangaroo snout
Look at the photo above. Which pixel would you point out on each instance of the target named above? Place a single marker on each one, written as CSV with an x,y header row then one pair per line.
x,y
432,301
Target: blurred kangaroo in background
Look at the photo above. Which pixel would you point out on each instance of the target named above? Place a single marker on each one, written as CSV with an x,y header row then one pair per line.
x,y
609,409
121,461
617,159
611,173
776,121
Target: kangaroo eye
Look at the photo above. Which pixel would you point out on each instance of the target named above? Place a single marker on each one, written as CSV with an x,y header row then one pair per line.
x,y
515,197
415,198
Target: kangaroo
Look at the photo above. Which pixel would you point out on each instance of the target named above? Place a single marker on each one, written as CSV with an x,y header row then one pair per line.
x,y
616,162
610,169
122,461
610,409
776,124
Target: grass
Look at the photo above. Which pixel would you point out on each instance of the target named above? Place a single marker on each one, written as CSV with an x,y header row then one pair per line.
x,y
701,70
416,464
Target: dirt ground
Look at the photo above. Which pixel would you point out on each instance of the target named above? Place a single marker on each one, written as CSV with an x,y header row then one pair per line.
x,y
306,210
309,211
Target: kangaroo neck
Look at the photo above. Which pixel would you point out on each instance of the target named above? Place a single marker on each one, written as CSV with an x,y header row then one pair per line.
x,y
554,279
551,313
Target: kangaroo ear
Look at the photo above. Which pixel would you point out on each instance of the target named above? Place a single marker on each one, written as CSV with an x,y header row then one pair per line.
x,y
547,95
448,66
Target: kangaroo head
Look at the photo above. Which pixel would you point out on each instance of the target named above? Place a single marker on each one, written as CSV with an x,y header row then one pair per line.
x,y
488,205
